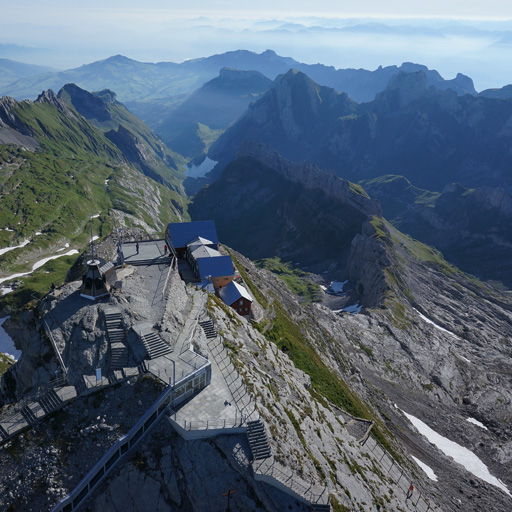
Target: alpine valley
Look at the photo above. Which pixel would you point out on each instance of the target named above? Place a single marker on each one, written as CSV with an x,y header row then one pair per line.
x,y
368,214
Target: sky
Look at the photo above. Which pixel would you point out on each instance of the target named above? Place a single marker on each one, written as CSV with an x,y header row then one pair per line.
x,y
472,37
266,8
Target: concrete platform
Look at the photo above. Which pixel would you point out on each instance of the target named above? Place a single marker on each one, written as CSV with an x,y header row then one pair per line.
x,y
215,402
149,250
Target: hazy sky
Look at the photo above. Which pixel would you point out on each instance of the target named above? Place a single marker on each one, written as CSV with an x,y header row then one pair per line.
x,y
64,34
269,8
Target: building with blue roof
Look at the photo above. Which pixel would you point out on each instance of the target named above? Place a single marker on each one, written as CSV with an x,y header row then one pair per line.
x,y
236,296
179,234
218,270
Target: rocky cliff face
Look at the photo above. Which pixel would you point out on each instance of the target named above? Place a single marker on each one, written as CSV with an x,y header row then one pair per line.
x,y
431,136
311,177
470,226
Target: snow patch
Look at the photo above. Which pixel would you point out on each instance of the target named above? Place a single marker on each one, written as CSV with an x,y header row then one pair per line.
x,y
337,286
427,469
458,453
62,248
37,265
7,346
434,324
7,249
477,423
95,216
38,233
354,309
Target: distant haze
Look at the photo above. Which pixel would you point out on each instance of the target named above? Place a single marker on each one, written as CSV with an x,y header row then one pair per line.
x,y
472,39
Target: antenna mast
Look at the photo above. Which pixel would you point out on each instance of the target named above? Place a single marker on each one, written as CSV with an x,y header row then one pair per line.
x,y
92,241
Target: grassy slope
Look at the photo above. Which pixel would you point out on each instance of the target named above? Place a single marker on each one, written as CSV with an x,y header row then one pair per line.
x,y
296,279
56,188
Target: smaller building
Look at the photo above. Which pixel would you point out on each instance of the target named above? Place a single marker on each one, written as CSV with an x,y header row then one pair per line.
x,y
217,270
236,296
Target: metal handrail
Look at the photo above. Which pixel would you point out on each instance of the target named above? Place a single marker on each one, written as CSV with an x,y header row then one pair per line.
x,y
54,345
215,424
169,272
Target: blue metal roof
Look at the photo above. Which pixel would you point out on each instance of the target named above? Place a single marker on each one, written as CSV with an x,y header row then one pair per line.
x,y
215,267
233,292
182,233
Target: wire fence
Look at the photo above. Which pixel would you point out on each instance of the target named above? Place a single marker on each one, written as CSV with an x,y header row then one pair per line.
x,y
234,381
416,498
310,493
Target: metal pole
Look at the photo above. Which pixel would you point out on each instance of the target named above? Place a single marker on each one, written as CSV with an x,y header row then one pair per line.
x,y
92,241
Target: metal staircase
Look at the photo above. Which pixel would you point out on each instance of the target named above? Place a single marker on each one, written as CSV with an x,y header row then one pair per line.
x,y
50,401
3,433
28,415
258,440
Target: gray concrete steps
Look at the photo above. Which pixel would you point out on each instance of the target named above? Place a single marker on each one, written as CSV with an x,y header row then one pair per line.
x,y
208,328
119,356
154,345
29,416
50,401
258,440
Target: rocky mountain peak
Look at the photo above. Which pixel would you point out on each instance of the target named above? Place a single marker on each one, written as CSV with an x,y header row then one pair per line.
x,y
465,82
49,97
89,105
404,88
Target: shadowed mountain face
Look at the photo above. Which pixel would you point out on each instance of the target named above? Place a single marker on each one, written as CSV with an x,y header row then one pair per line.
x,y
472,227
265,206
191,127
431,137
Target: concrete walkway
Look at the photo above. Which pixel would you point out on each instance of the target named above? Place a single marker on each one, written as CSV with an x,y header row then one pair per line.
x,y
184,340
212,402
